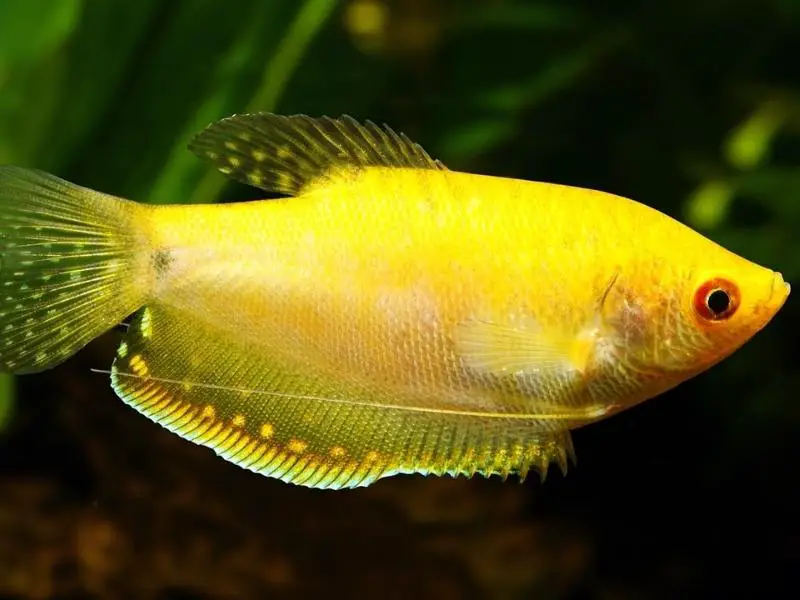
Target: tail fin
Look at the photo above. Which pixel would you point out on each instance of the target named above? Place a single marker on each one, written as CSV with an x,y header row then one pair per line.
x,y
71,267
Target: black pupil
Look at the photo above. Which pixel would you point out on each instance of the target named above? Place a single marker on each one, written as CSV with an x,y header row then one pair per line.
x,y
718,302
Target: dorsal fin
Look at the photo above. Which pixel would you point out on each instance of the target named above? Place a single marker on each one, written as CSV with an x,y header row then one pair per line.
x,y
286,154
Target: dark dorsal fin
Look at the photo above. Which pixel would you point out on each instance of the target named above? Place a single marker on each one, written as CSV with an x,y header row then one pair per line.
x,y
286,154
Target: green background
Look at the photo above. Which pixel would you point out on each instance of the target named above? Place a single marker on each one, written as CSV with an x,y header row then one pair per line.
x,y
692,107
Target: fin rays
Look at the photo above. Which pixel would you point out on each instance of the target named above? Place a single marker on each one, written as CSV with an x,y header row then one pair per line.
x,y
286,154
67,272
304,430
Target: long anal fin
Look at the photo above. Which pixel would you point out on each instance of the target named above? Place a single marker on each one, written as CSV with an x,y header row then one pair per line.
x,y
306,430
286,154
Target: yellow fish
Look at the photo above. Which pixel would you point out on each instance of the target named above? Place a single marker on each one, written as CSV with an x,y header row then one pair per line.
x,y
391,316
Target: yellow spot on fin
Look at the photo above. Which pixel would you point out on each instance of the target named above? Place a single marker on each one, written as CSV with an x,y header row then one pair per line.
x,y
138,366
145,323
297,446
285,154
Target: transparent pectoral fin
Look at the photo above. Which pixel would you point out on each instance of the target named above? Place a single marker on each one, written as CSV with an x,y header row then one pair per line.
x,y
549,369
500,349
256,412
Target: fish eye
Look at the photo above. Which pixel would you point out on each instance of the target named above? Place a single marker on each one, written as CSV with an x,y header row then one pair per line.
x,y
716,300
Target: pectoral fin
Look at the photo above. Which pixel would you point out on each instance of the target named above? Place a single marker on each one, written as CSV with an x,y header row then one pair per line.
x,y
549,370
498,349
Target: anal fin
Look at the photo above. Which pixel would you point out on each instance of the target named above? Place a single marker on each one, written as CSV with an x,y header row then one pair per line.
x,y
258,413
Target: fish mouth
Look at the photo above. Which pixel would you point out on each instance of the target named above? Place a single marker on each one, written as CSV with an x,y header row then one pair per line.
x,y
779,291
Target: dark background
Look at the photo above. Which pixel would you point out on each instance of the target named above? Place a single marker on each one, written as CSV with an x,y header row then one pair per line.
x,y
692,107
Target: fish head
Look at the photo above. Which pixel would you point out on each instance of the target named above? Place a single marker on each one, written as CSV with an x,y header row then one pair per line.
x,y
695,304
724,304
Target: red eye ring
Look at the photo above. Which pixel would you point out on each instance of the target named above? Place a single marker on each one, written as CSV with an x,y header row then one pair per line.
x,y
717,300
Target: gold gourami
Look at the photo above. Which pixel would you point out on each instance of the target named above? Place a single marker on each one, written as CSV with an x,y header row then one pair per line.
x,y
391,316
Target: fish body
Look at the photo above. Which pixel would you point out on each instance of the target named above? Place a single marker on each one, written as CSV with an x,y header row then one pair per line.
x,y
391,316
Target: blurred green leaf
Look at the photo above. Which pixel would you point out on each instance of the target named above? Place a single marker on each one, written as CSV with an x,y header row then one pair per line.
x,y
708,206
749,143
474,137
103,51
39,26
30,71
35,92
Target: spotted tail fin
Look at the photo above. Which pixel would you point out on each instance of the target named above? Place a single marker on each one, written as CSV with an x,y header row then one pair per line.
x,y
71,267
